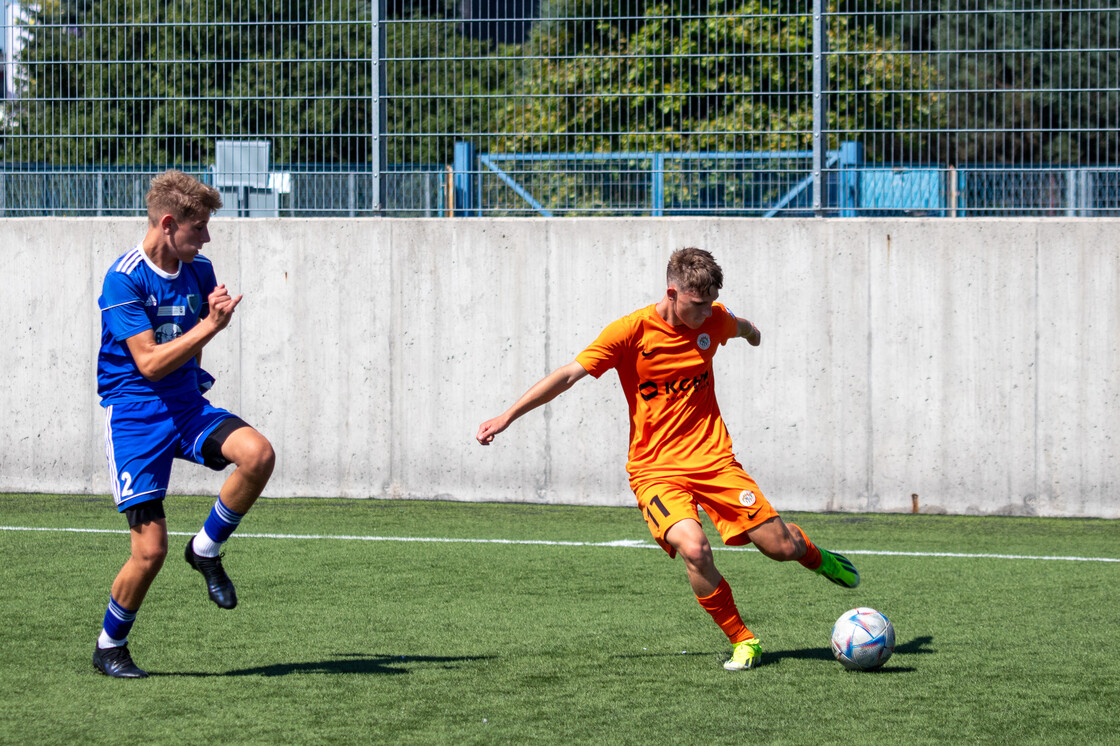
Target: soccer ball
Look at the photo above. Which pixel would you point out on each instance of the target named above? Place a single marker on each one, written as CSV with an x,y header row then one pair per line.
x,y
862,639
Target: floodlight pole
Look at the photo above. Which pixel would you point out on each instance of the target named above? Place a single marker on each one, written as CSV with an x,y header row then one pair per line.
x,y
820,104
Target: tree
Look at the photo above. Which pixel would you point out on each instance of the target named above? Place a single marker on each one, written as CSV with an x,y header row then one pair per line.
x,y
736,78
441,85
726,76
1030,86
130,82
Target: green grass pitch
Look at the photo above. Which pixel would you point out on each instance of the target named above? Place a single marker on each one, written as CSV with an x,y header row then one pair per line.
x,y
352,640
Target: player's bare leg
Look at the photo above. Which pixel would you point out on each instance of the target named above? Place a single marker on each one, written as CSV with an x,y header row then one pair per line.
x,y
148,551
254,459
784,543
688,538
713,593
774,539
253,455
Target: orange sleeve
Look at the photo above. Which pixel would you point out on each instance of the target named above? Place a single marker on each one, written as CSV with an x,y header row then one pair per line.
x,y
608,350
728,324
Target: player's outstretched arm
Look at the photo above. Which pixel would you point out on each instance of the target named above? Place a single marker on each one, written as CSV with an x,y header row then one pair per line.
x,y
155,361
542,392
749,332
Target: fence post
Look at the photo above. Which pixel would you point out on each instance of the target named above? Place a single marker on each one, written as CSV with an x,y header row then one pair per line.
x,y
657,185
378,119
820,104
954,191
1078,193
1071,193
448,192
851,160
464,179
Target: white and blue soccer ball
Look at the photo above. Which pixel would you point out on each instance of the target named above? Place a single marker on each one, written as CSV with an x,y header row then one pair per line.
x,y
862,639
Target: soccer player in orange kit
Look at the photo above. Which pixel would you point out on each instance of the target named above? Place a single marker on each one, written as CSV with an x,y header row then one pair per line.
x,y
680,452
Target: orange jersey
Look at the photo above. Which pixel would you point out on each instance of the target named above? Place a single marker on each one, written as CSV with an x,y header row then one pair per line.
x,y
667,378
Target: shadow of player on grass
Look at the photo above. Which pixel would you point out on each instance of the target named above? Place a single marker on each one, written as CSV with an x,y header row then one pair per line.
x,y
341,663
917,646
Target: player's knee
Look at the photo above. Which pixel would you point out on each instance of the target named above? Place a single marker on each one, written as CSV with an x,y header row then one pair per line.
x,y
151,557
258,459
697,553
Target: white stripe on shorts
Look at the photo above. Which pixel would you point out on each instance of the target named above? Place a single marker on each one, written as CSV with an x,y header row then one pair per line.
x,y
110,456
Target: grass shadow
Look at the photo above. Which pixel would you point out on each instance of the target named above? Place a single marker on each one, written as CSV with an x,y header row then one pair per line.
x,y
342,663
917,646
683,653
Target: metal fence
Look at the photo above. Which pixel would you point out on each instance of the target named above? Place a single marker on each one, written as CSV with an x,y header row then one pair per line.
x,y
566,107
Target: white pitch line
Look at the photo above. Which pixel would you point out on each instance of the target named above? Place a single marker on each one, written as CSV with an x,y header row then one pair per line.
x,y
623,543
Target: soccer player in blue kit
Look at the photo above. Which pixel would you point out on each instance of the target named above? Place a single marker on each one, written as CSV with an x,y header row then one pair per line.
x,y
160,305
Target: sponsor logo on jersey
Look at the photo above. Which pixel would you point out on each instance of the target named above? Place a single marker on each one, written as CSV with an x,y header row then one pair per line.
x,y
171,311
167,332
151,301
674,389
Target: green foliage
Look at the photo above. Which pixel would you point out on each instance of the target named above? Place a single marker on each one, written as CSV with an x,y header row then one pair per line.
x,y
130,82
737,78
1031,87
438,85
727,76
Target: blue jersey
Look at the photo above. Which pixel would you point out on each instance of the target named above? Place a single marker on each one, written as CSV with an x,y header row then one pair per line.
x,y
138,296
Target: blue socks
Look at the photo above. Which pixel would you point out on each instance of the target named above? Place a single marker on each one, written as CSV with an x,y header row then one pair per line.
x,y
118,622
219,525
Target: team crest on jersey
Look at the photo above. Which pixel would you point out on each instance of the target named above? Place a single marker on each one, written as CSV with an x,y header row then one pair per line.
x,y
194,301
746,498
703,341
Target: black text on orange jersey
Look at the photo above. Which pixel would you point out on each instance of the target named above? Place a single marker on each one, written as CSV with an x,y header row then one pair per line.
x,y
649,389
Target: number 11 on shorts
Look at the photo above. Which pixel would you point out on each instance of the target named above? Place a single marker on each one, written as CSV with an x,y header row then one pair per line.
x,y
656,502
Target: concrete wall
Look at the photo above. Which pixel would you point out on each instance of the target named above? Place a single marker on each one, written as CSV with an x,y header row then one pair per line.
x,y
975,363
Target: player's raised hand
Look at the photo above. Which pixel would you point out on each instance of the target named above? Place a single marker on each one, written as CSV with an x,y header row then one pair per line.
x,y
221,306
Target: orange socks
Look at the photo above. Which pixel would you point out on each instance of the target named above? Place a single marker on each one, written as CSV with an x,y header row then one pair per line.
x,y
812,558
721,605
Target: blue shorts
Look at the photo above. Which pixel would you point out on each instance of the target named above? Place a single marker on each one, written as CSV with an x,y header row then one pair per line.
x,y
142,438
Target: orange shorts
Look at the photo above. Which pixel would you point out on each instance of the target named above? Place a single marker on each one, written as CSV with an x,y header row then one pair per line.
x,y
730,498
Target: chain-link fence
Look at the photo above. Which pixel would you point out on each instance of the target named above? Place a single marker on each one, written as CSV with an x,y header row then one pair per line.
x,y
566,107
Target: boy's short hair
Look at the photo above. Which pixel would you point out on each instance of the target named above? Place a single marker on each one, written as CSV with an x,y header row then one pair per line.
x,y
694,270
181,196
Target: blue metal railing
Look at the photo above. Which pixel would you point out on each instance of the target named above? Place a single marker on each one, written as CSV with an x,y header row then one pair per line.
x,y
760,184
